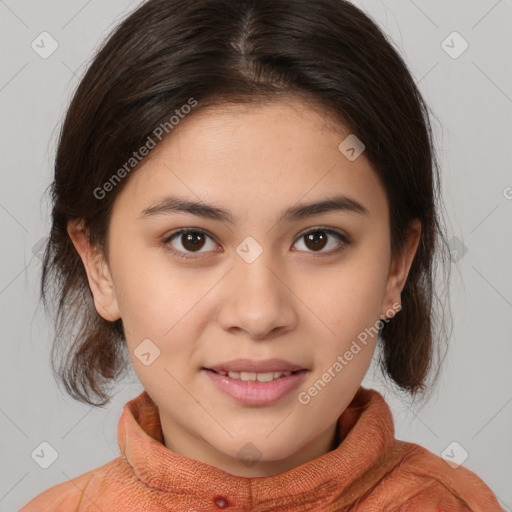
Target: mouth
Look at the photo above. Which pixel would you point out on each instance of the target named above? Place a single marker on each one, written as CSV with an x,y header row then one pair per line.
x,y
255,376
256,388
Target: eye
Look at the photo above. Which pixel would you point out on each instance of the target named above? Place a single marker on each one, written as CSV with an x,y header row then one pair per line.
x,y
316,239
190,240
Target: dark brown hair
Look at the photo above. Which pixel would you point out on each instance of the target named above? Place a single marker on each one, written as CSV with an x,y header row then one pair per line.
x,y
328,53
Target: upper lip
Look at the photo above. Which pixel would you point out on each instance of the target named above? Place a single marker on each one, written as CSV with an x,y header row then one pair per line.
x,y
250,365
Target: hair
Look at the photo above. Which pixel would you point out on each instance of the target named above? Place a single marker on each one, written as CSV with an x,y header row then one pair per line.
x,y
328,53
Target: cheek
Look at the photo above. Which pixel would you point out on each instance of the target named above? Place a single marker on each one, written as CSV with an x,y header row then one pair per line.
x,y
168,307
350,295
152,297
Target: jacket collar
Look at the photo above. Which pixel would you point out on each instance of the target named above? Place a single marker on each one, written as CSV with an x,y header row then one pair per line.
x,y
366,429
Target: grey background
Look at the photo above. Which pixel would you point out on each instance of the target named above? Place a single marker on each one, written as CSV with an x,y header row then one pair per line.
x,y
471,97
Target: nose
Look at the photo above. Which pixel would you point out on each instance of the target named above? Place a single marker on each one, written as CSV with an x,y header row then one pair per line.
x,y
258,299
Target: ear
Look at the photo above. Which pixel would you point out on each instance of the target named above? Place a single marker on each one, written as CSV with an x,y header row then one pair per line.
x,y
98,272
399,268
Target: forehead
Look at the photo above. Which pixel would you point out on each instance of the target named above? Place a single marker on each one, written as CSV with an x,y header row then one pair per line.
x,y
254,157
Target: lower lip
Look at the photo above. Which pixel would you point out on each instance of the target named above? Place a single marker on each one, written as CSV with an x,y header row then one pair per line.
x,y
254,392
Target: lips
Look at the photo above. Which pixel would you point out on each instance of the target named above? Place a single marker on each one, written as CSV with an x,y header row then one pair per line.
x,y
250,365
256,392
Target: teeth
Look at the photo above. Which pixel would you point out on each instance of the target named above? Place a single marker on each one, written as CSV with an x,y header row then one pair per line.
x,y
265,377
253,376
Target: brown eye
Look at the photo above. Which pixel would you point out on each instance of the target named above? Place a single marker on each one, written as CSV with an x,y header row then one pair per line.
x,y
317,239
188,241
192,241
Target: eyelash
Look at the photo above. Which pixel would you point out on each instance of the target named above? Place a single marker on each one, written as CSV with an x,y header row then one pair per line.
x,y
340,236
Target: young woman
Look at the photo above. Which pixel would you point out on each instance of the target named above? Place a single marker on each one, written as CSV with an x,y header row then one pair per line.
x,y
244,209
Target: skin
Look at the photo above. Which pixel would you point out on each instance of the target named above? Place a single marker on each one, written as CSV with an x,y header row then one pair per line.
x,y
293,302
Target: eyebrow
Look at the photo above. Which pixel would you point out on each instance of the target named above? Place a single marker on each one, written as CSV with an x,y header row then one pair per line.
x,y
179,205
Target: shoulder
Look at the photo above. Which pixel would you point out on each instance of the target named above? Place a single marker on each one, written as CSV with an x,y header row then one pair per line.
x,y
65,496
422,480
77,494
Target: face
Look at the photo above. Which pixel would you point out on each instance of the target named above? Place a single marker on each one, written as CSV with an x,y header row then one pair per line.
x,y
258,275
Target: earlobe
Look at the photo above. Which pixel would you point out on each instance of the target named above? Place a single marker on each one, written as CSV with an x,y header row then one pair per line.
x,y
400,267
98,272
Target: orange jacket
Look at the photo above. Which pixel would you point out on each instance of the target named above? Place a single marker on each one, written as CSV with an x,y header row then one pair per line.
x,y
369,471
